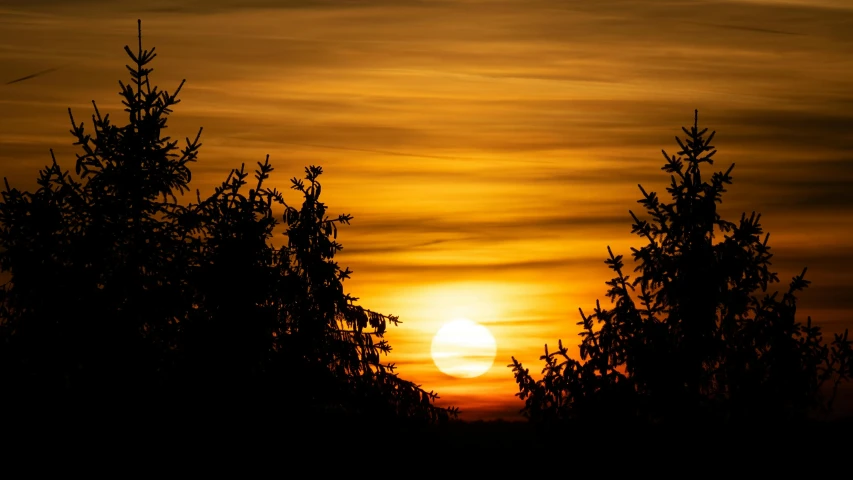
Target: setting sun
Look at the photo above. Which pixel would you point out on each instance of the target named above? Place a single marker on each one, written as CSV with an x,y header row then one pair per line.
x,y
463,348
491,156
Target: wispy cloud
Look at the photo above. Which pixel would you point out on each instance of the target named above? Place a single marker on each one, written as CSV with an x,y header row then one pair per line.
x,y
498,142
32,75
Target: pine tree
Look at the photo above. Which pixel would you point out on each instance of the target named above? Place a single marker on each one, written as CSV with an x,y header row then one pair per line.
x,y
696,335
118,291
96,260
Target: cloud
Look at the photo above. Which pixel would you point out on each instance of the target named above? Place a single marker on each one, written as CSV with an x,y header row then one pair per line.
x,y
32,75
801,129
381,152
495,141
208,6
745,28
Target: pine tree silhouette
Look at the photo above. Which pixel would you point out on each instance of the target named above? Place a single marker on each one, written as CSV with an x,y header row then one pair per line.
x,y
121,295
695,335
97,262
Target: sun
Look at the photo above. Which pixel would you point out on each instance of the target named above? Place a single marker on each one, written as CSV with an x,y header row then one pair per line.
x,y
463,348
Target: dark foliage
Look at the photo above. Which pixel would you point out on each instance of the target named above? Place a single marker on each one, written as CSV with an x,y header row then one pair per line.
x,y
696,335
119,292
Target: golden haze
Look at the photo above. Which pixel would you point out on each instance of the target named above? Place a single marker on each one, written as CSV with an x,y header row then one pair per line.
x,y
488,150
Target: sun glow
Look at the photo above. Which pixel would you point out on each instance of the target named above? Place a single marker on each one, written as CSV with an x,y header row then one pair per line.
x,y
463,348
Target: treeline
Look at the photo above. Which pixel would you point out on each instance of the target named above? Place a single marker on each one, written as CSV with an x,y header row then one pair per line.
x,y
122,295
119,292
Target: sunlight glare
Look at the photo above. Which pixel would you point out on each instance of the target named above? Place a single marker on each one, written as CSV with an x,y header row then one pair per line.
x,y
463,348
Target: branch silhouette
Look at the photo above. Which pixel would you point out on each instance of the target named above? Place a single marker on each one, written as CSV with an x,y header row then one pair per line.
x,y
119,291
696,336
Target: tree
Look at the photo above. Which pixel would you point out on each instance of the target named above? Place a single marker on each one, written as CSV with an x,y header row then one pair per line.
x,y
119,290
695,335
97,264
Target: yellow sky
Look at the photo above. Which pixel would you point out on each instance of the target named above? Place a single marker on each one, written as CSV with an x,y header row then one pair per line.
x,y
488,150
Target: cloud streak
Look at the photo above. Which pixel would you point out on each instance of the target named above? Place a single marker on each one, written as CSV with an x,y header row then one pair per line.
x,y
32,75
489,151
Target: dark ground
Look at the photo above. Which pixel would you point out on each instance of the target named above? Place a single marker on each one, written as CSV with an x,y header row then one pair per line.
x,y
185,433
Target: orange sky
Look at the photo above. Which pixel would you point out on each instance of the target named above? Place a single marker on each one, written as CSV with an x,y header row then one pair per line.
x,y
488,150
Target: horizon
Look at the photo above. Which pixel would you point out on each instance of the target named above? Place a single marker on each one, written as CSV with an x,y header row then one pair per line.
x,y
487,164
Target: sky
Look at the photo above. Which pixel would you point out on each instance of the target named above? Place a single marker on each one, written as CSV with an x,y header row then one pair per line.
x,y
489,151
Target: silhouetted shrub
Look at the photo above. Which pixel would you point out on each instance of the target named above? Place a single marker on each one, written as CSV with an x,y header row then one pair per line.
x,y
695,336
120,293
